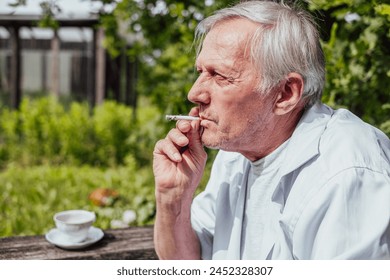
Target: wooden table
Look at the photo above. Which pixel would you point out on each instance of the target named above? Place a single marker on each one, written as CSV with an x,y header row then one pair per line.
x,y
134,243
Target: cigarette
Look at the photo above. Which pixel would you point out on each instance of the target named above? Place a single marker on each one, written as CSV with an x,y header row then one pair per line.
x,y
180,117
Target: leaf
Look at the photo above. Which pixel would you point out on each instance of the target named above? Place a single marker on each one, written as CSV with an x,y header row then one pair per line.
x,y
383,9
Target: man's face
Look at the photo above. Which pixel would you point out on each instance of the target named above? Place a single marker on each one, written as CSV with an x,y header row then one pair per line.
x,y
234,114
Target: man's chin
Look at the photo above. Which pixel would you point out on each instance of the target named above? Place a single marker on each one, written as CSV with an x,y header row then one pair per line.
x,y
210,142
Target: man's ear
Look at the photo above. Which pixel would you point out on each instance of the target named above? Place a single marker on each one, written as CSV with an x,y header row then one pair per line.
x,y
289,95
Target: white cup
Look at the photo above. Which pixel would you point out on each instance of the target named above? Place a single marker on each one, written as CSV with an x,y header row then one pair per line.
x,y
74,224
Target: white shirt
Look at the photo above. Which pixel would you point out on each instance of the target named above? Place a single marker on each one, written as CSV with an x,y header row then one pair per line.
x,y
263,177
332,200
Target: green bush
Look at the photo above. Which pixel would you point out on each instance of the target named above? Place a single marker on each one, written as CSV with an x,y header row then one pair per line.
x,y
358,57
30,196
52,158
43,132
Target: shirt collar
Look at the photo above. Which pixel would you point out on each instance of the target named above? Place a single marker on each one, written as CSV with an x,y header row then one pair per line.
x,y
304,142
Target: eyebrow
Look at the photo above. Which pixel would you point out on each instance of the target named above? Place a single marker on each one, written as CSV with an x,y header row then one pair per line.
x,y
219,67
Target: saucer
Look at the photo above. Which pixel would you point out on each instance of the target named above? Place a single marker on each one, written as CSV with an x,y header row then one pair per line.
x,y
55,237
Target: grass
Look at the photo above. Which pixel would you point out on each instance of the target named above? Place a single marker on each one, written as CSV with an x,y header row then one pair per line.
x,y
31,196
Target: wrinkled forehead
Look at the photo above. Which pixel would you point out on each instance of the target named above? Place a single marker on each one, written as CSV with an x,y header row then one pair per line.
x,y
229,39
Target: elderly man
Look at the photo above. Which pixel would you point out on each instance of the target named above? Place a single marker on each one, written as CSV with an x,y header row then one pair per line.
x,y
293,179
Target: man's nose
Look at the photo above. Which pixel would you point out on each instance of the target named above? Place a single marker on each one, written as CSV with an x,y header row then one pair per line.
x,y
199,92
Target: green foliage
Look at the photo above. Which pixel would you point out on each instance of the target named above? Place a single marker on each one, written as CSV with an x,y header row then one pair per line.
x,y
28,202
112,42
42,131
49,9
53,157
175,66
358,59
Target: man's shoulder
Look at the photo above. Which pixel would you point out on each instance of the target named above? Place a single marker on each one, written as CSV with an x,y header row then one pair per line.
x,y
347,140
345,128
348,125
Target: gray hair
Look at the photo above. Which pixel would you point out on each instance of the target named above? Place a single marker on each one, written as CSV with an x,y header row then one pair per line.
x,y
286,41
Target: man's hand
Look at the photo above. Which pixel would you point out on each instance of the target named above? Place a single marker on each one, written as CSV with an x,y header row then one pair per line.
x,y
179,160
178,164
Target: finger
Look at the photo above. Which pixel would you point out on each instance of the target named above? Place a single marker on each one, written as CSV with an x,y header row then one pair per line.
x,y
178,137
194,112
183,125
166,148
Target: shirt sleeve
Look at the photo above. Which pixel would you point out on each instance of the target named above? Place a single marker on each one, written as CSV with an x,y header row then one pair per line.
x,y
203,209
348,219
202,221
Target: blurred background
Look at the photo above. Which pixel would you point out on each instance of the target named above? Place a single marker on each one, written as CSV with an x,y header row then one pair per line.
x,y
85,86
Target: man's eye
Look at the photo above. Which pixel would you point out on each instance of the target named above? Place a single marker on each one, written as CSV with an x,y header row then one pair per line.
x,y
216,74
223,78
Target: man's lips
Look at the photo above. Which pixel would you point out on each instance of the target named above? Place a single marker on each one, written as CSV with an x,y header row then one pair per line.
x,y
205,117
205,122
